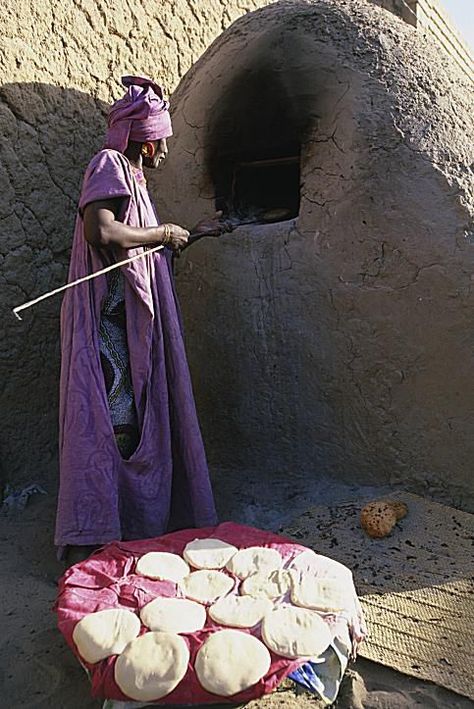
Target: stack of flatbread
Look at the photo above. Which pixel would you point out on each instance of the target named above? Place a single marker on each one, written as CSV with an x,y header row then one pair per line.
x,y
250,602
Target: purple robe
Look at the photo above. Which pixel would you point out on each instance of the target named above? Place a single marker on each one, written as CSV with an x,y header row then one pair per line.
x,y
165,483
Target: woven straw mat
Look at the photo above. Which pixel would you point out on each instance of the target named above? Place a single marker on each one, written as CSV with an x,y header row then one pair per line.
x,y
416,585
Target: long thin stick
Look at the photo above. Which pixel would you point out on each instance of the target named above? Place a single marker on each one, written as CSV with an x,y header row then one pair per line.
x,y
191,240
89,277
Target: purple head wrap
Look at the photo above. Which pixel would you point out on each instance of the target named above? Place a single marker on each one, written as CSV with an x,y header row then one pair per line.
x,y
141,115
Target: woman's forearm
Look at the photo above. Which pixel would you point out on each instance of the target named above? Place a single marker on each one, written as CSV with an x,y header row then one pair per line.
x,y
128,237
103,229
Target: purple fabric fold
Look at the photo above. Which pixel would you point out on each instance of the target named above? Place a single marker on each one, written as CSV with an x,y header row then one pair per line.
x,y
165,484
141,115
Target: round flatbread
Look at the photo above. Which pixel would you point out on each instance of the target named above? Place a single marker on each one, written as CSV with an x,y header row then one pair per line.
x,y
104,633
206,586
307,561
326,595
254,560
173,615
240,611
208,553
310,562
152,666
162,565
267,584
230,662
295,632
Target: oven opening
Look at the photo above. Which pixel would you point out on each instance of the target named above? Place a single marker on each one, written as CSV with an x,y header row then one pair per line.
x,y
265,191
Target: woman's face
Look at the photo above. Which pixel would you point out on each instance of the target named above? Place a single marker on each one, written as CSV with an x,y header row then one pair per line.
x,y
160,152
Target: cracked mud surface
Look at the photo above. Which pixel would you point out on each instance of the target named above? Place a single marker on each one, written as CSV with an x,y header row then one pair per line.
x,y
337,344
342,338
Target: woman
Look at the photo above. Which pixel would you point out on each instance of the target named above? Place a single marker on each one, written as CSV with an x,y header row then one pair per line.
x,y
132,461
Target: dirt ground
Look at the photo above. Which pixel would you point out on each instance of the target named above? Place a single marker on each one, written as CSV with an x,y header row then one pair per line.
x,y
38,670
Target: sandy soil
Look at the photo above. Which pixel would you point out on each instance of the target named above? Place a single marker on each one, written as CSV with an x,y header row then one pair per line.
x,y
38,670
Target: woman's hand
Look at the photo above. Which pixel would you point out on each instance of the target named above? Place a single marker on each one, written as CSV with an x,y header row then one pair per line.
x,y
174,236
214,226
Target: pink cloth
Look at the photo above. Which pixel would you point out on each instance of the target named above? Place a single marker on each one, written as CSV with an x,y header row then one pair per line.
x,y
141,115
165,484
108,580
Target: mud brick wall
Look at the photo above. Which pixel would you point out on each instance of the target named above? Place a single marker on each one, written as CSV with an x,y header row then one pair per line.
x,y
432,20
60,67
337,343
